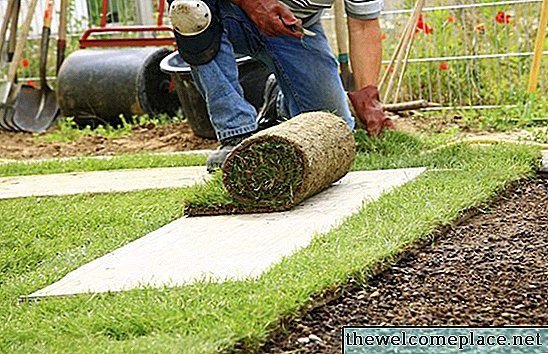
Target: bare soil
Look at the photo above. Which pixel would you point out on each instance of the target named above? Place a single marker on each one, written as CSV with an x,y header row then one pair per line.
x,y
147,138
491,270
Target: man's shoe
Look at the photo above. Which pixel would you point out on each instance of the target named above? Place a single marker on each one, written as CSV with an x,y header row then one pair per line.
x,y
217,157
268,114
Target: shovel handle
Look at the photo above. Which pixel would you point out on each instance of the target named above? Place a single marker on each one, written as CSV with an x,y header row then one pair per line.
x,y
341,29
46,30
62,37
25,29
13,30
6,22
48,14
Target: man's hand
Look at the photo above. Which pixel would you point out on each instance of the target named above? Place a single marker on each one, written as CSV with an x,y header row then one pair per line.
x,y
369,110
271,17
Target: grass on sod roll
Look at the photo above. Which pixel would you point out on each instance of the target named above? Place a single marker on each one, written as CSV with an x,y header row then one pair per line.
x,y
45,238
275,162
84,164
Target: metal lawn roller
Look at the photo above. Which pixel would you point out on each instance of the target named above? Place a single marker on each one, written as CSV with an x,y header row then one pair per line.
x,y
97,86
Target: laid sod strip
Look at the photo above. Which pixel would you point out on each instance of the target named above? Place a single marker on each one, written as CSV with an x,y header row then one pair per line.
x,y
393,150
43,239
277,168
93,164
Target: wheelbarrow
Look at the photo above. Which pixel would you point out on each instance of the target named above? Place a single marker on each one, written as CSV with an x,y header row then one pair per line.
x,y
252,76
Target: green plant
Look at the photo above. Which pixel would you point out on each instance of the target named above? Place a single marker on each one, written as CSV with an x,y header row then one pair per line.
x,y
67,129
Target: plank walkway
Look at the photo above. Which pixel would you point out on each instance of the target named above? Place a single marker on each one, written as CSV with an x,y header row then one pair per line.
x,y
100,181
226,247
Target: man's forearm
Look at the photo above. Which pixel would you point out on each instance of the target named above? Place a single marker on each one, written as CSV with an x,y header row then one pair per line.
x,y
365,51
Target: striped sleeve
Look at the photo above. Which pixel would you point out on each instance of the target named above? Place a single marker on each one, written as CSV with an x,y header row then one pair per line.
x,y
364,9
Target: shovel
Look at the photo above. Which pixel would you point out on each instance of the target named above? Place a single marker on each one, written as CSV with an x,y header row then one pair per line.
x,y
11,14
36,110
10,90
11,50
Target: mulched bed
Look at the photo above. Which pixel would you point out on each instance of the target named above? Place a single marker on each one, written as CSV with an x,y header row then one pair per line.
x,y
491,270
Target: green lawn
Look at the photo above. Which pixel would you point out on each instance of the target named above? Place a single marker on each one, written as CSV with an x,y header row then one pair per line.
x,y
44,238
83,164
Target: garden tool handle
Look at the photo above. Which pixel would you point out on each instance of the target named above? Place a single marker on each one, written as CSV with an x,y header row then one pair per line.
x,y
46,29
340,28
48,14
13,29
86,42
6,23
25,29
62,37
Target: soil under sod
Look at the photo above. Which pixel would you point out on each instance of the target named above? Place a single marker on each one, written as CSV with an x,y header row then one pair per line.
x,y
490,270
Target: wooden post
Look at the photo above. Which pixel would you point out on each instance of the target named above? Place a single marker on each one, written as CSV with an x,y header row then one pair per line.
x,y
539,44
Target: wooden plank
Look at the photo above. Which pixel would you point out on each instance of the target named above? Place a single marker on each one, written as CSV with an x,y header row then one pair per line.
x,y
218,248
100,181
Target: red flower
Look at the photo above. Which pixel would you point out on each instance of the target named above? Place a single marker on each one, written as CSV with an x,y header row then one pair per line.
x,y
451,19
444,66
384,36
31,83
503,17
423,26
25,63
171,86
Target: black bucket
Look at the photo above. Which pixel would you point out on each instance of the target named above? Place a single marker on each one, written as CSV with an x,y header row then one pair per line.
x,y
96,86
253,76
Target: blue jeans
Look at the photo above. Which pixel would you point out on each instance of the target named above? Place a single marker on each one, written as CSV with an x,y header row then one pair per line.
x,y
306,70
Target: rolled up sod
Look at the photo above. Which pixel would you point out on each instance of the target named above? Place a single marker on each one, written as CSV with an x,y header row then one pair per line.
x,y
278,168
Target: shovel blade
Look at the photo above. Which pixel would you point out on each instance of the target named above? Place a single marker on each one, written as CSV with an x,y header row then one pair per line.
x,y
35,110
8,96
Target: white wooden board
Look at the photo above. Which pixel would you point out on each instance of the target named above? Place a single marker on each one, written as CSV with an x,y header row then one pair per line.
x,y
100,181
226,247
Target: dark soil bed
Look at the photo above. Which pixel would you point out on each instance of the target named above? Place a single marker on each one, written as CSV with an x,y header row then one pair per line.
x,y
491,270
